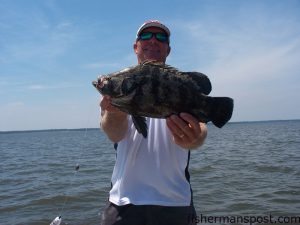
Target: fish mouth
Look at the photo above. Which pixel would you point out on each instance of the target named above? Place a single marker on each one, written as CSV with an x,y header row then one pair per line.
x,y
102,81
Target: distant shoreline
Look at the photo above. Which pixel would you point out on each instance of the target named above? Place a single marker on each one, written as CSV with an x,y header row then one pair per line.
x,y
82,129
48,130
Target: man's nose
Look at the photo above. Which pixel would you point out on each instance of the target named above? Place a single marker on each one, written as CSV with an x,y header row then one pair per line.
x,y
153,39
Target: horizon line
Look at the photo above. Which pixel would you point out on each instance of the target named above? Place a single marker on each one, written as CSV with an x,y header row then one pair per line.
x,y
90,128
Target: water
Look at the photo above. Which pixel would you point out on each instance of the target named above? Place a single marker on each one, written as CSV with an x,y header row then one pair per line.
x,y
242,169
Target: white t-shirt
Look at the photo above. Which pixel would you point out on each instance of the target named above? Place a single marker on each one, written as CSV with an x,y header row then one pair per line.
x,y
152,170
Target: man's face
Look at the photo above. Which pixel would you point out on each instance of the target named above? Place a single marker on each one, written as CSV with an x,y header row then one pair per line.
x,y
151,49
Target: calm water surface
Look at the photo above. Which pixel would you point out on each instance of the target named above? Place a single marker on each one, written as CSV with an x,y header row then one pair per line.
x,y
242,169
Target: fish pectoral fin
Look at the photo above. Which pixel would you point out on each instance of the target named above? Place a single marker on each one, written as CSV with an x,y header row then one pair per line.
x,y
140,125
120,103
123,102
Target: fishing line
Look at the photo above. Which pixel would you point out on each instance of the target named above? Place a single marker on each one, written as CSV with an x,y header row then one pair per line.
x,y
58,219
66,196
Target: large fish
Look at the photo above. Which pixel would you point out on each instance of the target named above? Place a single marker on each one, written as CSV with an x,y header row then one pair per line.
x,y
157,90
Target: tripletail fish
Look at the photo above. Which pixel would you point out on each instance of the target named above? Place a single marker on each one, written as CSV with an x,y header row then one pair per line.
x,y
157,90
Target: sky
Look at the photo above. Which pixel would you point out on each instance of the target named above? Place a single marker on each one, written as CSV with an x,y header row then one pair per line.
x,y
51,51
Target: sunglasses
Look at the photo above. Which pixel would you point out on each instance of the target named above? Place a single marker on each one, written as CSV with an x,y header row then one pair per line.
x,y
162,37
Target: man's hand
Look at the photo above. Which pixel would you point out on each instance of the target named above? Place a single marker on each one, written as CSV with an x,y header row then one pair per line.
x,y
187,131
113,121
106,105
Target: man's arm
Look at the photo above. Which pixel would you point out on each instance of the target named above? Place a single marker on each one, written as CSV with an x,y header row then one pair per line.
x,y
187,131
113,121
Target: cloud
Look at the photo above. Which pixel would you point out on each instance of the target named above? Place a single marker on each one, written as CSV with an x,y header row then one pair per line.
x,y
37,87
100,65
3,83
47,87
25,86
258,64
125,61
34,35
66,114
254,59
15,105
260,51
51,43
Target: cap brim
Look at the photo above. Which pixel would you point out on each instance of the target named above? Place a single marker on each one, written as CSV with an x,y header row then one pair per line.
x,y
153,24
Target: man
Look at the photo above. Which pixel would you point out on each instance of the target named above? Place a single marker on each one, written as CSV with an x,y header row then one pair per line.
x,y
150,181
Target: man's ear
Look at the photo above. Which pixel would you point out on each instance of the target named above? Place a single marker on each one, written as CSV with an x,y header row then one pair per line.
x,y
169,50
135,47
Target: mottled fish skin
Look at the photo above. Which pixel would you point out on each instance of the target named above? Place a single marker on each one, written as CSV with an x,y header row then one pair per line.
x,y
157,90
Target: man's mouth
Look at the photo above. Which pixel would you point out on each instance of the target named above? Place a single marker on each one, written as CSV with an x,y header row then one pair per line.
x,y
151,51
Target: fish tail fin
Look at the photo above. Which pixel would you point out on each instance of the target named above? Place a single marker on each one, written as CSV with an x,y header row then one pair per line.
x,y
222,110
140,125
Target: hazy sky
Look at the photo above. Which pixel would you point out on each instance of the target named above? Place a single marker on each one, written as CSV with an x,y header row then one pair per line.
x,y
51,50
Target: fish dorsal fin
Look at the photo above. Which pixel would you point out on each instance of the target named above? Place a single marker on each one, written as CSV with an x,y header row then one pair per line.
x,y
171,69
152,62
161,65
202,80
